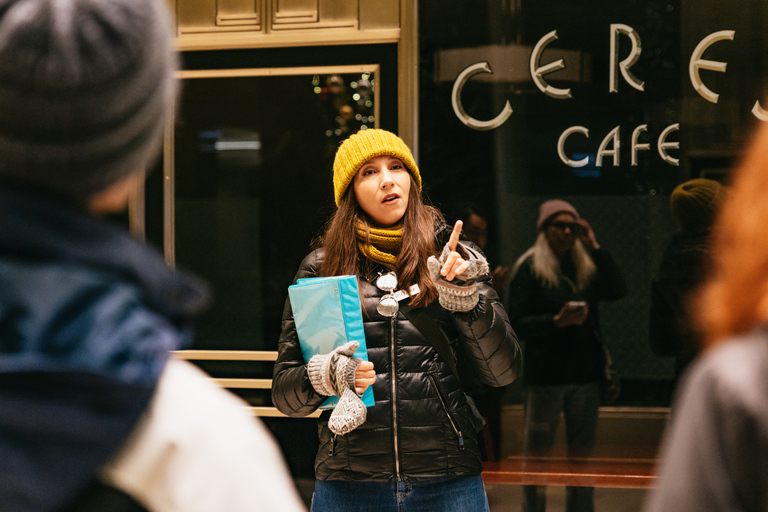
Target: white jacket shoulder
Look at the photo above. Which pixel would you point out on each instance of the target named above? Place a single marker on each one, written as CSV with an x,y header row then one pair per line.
x,y
199,449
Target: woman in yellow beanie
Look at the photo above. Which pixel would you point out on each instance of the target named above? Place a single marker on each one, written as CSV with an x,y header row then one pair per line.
x,y
426,299
685,263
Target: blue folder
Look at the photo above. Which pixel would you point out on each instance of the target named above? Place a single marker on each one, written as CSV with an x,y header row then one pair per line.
x,y
326,311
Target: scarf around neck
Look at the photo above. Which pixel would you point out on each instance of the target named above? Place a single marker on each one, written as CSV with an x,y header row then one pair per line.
x,y
380,245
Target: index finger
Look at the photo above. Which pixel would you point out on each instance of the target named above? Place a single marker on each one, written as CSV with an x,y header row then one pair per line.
x,y
455,235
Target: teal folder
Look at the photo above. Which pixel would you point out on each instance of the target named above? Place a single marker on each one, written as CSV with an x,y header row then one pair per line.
x,y
326,311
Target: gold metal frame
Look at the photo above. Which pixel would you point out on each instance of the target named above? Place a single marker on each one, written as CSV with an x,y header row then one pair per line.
x,y
169,234
406,37
136,215
408,75
240,355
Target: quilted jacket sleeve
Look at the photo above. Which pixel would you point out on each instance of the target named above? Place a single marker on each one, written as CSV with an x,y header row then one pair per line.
x,y
292,392
488,339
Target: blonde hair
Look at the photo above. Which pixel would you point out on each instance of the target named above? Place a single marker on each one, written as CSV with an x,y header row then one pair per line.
x,y
546,266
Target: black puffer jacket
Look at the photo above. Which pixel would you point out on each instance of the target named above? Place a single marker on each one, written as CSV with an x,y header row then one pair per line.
x,y
421,426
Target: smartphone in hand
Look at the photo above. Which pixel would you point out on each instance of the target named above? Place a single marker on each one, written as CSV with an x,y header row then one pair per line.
x,y
575,304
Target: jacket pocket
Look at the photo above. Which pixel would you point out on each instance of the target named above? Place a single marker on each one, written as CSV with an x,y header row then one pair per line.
x,y
452,419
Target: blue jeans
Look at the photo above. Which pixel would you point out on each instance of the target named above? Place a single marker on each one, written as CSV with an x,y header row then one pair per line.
x,y
580,405
449,494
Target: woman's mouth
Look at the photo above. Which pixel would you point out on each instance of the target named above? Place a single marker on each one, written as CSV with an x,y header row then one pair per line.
x,y
389,198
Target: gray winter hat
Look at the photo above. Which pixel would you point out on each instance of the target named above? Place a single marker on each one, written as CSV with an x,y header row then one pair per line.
x,y
85,87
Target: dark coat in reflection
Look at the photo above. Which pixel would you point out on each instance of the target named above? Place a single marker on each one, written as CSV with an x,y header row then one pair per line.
x,y
569,355
683,267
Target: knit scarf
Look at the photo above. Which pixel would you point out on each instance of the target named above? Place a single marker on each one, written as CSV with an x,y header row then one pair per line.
x,y
382,245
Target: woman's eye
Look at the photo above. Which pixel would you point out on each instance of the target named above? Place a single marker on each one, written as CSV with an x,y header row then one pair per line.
x,y
397,166
367,172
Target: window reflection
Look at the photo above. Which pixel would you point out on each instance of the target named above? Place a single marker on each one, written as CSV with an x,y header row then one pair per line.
x,y
615,149
251,190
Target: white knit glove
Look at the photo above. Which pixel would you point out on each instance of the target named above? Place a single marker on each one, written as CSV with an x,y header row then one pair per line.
x,y
461,293
334,374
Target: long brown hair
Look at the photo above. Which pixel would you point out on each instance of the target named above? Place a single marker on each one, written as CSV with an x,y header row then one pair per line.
x,y
342,256
734,299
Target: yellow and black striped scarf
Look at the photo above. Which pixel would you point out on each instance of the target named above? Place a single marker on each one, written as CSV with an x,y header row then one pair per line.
x,y
381,245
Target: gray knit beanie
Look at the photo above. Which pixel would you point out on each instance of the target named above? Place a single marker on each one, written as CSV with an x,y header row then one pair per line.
x,y
85,87
550,208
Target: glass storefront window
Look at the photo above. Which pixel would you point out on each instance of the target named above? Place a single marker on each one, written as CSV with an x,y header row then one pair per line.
x,y
253,151
245,187
608,105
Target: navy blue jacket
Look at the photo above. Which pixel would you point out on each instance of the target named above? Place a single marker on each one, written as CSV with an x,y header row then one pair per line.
x,y
88,316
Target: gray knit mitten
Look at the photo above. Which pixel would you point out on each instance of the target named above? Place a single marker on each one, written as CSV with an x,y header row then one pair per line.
x,y
334,374
461,293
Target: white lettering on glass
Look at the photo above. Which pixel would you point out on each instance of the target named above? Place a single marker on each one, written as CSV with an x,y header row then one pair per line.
x,y
697,63
458,108
538,72
618,30
634,54
561,146
663,145
613,136
759,112
635,145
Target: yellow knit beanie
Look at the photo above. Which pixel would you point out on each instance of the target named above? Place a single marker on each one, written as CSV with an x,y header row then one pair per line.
x,y
695,202
361,147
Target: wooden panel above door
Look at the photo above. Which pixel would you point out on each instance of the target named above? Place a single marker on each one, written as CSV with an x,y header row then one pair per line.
x,y
227,24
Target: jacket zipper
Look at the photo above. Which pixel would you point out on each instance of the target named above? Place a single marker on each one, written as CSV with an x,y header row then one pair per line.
x,y
394,395
447,413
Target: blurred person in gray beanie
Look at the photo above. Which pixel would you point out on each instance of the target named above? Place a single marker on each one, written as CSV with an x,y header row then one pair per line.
x,y
94,413
85,88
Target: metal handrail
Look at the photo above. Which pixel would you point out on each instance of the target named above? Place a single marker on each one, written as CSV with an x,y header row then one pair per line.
x,y
233,383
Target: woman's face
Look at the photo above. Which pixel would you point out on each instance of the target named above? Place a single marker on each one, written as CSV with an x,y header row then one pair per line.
x,y
381,188
561,232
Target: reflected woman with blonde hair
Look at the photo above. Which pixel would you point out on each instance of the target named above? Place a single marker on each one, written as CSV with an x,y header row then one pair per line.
x,y
554,293
716,450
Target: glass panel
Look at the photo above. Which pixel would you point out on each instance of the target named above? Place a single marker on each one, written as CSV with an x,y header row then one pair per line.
x,y
647,95
253,155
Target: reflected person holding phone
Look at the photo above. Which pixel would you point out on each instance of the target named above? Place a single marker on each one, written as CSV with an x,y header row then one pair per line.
x,y
553,298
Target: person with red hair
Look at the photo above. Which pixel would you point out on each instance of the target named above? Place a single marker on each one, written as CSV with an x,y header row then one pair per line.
x,y
715,453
